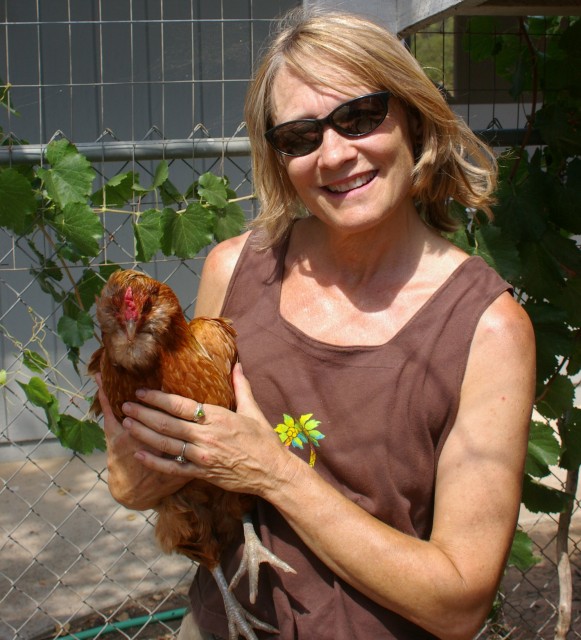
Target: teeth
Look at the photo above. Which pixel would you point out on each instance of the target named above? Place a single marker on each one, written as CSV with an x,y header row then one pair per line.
x,y
353,184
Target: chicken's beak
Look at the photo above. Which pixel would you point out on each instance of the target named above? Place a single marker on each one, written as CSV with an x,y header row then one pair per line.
x,y
131,329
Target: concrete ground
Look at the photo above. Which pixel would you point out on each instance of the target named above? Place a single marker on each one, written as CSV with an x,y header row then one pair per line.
x,y
67,549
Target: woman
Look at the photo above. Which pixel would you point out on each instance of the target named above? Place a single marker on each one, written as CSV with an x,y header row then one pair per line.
x,y
414,360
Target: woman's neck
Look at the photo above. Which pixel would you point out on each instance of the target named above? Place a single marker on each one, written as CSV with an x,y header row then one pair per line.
x,y
359,259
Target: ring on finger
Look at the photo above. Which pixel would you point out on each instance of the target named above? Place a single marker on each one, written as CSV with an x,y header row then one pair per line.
x,y
182,457
199,413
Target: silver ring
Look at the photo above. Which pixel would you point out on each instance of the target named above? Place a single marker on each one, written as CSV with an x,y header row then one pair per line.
x,y
199,413
182,457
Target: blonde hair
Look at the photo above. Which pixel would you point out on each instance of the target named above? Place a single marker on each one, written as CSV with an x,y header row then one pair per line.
x,y
326,48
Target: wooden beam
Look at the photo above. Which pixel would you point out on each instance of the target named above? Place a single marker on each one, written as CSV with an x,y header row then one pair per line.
x,y
417,13
383,11
406,16
414,14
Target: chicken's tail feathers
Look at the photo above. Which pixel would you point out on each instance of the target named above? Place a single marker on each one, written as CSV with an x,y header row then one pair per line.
x,y
95,409
186,529
93,368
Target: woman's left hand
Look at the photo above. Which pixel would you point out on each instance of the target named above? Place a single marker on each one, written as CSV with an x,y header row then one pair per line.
x,y
237,451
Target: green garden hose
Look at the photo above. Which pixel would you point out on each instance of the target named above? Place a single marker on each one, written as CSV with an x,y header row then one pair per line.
x,y
110,627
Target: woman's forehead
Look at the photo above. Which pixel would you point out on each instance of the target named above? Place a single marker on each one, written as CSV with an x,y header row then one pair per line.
x,y
317,80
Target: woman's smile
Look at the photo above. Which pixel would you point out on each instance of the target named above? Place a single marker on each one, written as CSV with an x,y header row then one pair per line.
x,y
351,183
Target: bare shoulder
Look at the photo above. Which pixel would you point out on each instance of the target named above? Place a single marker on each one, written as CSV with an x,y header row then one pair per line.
x,y
502,355
216,274
507,324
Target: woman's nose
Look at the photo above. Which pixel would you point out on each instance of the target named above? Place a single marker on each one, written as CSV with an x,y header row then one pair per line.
x,y
335,149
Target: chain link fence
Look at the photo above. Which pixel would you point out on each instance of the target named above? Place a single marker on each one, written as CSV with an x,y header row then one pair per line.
x,y
71,559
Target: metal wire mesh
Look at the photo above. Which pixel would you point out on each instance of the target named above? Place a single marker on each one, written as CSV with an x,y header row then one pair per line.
x,y
144,76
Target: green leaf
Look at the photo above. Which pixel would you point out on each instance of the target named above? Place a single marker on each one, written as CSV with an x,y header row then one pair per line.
x,y
43,279
74,332
70,178
521,553
50,269
37,392
565,251
74,356
161,174
568,300
542,274
463,240
570,432
521,210
229,221
213,189
520,60
147,231
81,436
169,193
117,192
159,178
565,211
17,202
34,361
480,38
558,124
80,226
3,377
538,498
138,188
574,364
543,450
498,250
553,336
88,287
557,398
57,150
186,233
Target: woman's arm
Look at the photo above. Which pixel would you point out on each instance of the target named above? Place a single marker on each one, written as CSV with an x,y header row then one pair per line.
x,y
130,483
445,585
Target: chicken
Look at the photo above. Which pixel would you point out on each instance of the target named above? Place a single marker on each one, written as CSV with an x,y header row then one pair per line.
x,y
148,343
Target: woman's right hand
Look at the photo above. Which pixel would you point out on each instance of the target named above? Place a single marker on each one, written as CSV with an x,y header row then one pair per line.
x,y
131,483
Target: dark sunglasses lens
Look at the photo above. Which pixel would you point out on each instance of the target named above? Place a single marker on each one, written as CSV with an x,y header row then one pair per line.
x,y
360,116
297,138
354,118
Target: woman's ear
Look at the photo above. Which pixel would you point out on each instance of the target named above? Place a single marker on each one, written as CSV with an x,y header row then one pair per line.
x,y
415,126
416,132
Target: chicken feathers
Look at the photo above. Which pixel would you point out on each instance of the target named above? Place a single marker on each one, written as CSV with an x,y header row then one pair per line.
x,y
148,343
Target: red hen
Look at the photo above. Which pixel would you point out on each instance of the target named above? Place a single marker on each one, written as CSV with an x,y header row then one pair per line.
x,y
148,343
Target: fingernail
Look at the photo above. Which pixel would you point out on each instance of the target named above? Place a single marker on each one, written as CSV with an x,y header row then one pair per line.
x,y
140,393
127,423
126,408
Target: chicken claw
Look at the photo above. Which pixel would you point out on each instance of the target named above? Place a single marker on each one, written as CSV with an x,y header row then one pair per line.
x,y
240,621
255,553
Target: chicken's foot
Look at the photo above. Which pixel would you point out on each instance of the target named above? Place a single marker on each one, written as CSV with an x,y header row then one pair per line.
x,y
240,621
255,553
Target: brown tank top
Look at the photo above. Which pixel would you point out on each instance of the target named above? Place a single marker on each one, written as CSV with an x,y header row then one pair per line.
x,y
385,412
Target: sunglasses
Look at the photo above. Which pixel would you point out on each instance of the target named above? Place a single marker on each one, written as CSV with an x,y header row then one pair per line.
x,y
353,119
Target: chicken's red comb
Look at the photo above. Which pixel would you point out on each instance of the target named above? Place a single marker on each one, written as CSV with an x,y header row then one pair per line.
x,y
130,307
